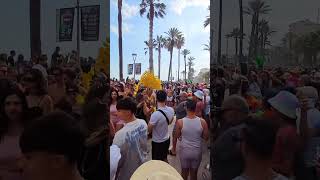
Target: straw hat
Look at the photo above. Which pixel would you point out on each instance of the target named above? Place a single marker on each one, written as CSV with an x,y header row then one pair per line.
x,y
308,92
156,170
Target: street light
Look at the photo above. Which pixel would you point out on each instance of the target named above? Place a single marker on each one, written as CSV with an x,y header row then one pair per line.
x,y
134,57
78,32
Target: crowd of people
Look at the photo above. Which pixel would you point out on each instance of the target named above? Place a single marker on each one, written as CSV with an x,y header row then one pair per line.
x,y
263,125
51,125
139,114
266,124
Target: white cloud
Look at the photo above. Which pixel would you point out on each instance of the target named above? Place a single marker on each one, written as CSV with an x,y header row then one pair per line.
x,y
128,10
179,5
202,62
206,30
114,29
126,28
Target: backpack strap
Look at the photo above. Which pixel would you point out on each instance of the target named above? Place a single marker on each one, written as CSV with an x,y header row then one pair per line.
x,y
164,114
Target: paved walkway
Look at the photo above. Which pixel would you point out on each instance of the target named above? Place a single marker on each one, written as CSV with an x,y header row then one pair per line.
x,y
203,172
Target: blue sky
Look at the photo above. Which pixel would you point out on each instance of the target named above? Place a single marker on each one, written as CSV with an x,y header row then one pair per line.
x,y
186,15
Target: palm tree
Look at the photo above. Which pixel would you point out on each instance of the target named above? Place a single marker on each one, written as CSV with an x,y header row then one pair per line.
x,y
255,9
264,33
207,21
235,34
179,44
153,45
185,52
242,64
155,9
160,41
120,39
206,47
309,46
190,64
220,32
171,40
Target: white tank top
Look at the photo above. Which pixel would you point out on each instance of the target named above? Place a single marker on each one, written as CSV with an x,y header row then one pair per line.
x,y
191,133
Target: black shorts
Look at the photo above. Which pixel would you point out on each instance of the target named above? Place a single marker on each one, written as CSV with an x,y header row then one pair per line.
x,y
160,150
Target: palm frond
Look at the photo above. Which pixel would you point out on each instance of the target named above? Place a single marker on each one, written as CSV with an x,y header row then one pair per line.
x,y
206,22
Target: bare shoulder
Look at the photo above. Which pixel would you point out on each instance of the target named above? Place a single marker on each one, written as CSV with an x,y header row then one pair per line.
x,y
179,122
203,122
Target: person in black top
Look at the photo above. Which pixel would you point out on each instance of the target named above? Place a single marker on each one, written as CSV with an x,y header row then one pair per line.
x,y
93,163
55,57
11,61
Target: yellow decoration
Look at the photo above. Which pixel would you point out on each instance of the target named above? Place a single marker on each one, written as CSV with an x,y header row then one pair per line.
x,y
136,89
80,99
148,80
102,63
103,60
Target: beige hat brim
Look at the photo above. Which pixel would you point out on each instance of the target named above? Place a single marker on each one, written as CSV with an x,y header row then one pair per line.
x,y
156,170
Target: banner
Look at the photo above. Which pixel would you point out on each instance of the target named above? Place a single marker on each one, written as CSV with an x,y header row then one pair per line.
x,y
138,69
130,69
90,23
66,24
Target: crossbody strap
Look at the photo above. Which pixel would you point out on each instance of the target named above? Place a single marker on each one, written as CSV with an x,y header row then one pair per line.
x,y
164,115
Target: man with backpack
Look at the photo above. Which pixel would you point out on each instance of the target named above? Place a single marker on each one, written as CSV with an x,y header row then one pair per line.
x,y
158,126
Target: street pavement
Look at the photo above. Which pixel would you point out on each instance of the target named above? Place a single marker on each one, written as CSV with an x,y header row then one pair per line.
x,y
203,172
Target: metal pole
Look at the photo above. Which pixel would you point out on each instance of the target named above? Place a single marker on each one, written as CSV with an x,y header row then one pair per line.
x,y
318,17
134,69
78,31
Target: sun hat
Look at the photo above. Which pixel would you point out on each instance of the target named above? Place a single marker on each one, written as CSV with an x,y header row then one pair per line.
x,y
286,103
308,92
199,94
156,170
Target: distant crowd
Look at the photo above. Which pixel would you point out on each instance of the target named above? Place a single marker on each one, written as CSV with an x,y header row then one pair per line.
x,y
52,126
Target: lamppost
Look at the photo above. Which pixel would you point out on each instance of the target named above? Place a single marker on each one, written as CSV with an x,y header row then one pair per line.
x,y
134,57
78,31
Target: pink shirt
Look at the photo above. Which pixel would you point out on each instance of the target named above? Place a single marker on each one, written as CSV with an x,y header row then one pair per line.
x,y
113,115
